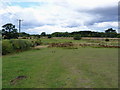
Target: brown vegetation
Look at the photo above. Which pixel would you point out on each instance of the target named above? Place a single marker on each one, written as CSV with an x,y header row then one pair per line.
x,y
66,44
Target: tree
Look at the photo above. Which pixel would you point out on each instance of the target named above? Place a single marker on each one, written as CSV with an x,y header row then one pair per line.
x,y
77,37
111,33
110,30
9,31
43,34
8,27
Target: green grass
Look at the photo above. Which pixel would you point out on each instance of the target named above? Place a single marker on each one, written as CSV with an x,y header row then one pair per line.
x,y
62,68
95,41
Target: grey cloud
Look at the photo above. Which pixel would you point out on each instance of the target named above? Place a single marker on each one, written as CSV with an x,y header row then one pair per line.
x,y
28,25
106,14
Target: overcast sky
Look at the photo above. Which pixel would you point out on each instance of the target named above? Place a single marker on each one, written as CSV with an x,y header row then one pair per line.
x,y
60,15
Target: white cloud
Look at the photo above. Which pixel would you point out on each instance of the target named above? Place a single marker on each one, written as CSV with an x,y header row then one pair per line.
x,y
50,29
85,4
106,24
57,15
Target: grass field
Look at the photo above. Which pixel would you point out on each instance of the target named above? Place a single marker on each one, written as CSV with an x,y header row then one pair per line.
x,y
62,68
95,41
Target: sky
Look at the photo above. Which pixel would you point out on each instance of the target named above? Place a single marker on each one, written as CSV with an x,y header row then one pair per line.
x,y
60,15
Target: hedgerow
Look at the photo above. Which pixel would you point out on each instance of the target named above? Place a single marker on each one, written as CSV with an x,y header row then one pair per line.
x,y
77,37
20,45
10,46
7,47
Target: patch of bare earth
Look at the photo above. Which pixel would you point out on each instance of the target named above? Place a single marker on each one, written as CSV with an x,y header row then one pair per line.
x,y
17,79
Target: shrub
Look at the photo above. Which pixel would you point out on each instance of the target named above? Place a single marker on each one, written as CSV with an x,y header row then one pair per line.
x,y
106,40
77,37
37,42
33,43
118,36
20,45
6,47
28,44
49,36
10,46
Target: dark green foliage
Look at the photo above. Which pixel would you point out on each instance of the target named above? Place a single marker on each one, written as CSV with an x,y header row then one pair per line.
x,y
10,46
23,34
6,47
77,37
110,30
21,45
43,34
8,27
35,36
60,34
118,36
49,36
111,33
38,36
37,42
106,40
9,31
108,33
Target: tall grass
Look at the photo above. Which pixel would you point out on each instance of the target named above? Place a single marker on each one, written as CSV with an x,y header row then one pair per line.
x,y
17,45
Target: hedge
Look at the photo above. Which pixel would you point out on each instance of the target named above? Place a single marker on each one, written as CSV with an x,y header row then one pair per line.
x,y
17,45
6,47
77,37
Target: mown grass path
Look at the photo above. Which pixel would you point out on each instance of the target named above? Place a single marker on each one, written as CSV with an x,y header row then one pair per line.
x,y
62,68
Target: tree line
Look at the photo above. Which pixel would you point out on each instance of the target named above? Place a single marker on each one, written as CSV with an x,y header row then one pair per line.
x,y
9,31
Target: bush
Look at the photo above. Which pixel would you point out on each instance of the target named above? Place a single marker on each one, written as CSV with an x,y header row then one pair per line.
x,y
33,43
118,36
37,42
10,46
106,40
7,47
49,36
77,37
20,45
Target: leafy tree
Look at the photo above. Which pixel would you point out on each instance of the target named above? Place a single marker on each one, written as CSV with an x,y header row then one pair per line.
x,y
60,34
43,34
23,34
110,30
9,27
111,33
9,31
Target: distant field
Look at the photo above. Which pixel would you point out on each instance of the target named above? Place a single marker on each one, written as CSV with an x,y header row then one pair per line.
x,y
62,68
85,38
113,42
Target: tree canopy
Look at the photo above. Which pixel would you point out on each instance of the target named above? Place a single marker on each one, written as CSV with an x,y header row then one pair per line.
x,y
9,31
